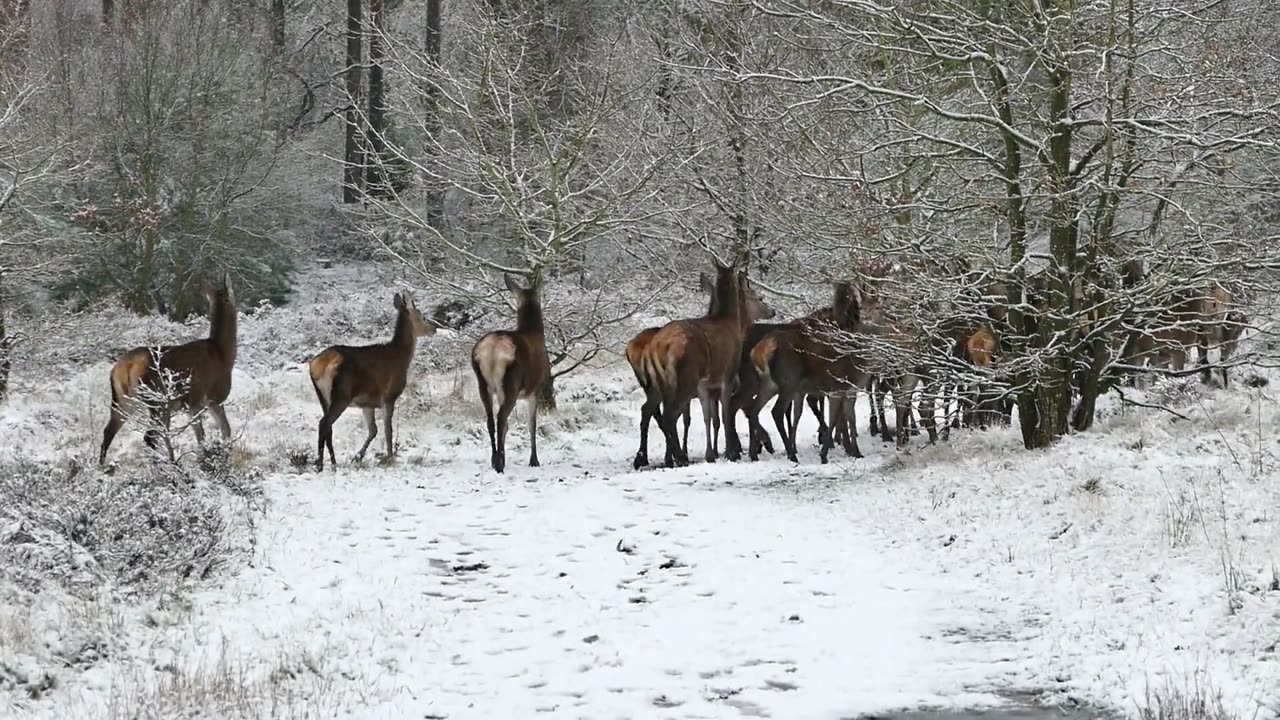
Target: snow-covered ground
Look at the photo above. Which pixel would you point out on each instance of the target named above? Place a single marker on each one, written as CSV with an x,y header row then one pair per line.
x,y
1140,555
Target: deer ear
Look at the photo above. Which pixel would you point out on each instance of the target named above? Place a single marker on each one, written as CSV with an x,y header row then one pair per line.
x,y
512,285
398,301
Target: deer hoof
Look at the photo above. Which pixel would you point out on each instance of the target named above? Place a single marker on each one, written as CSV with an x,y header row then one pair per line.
x,y
498,462
533,462
640,461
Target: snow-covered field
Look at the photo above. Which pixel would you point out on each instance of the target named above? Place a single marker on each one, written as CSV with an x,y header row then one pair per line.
x,y
1138,557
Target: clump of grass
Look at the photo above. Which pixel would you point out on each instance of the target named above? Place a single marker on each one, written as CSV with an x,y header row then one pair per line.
x,y
1196,699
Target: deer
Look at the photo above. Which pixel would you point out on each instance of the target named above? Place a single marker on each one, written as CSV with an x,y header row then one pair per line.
x,y
699,356
512,365
810,358
756,309
203,367
368,377
750,387
1197,319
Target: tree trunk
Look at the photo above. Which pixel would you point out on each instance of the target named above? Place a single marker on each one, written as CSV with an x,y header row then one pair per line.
x,y
6,346
377,104
435,196
277,25
353,166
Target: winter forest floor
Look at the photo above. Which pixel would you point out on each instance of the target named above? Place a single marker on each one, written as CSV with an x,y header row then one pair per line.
x,y
1127,566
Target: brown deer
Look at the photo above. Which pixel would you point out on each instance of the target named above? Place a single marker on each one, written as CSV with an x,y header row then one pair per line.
x,y
1201,320
750,387
368,377
700,357
756,309
511,365
203,367
812,358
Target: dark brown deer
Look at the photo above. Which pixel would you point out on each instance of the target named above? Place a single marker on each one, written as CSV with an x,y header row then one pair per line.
x,y
750,387
368,377
511,365
813,358
756,309
202,367
700,357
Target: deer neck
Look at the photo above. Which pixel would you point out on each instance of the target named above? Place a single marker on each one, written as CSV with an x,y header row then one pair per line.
x,y
402,339
222,330
529,318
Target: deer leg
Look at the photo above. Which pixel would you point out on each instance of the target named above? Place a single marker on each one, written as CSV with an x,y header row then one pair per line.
x,y
711,412
651,405
815,403
197,424
851,425
725,418
928,410
879,398
219,413
671,411
779,411
756,435
499,459
114,423
337,406
732,445
688,420
902,407
796,409
157,429
486,399
532,405
388,412
827,439
371,427
708,409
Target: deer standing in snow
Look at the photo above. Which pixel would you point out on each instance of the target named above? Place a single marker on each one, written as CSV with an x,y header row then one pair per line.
x,y
699,356
511,365
203,367
756,309
368,377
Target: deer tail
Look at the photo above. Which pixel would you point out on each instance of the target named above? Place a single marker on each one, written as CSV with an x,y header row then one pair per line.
x,y
492,356
762,357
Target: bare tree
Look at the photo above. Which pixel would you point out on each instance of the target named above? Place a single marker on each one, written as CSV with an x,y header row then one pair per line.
x,y
560,199
1044,147
353,155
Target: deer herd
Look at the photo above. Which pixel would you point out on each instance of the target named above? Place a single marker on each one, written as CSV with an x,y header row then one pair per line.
x,y
733,360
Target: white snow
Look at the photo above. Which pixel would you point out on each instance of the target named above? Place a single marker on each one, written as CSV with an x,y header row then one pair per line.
x,y
1141,553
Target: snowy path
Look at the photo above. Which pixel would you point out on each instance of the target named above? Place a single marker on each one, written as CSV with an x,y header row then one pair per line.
x,y
657,594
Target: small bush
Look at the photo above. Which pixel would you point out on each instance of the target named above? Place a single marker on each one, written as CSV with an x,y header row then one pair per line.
x,y
139,530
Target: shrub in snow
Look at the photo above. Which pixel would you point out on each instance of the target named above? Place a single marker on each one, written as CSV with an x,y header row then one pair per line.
x,y
139,530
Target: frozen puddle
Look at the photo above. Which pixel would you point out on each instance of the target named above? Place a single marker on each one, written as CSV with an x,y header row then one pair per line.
x,y
683,593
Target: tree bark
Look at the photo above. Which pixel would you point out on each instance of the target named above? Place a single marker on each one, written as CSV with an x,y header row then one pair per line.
x,y
435,196
353,165
6,346
108,13
277,25
377,104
